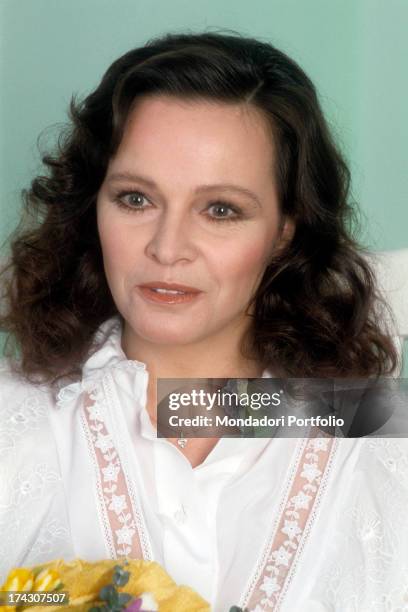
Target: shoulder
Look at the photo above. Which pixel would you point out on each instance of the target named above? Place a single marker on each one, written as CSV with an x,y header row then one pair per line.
x,y
16,390
25,431
374,465
24,411
386,460
27,445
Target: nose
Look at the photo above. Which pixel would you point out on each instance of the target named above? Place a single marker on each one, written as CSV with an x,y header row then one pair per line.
x,y
171,240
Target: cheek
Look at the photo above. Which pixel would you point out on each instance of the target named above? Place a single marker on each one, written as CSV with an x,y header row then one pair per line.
x,y
117,247
241,266
114,254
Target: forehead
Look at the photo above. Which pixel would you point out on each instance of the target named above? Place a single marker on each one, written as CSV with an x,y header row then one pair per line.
x,y
166,134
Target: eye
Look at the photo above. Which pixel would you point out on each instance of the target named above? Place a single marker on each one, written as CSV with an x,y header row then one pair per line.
x,y
220,211
134,200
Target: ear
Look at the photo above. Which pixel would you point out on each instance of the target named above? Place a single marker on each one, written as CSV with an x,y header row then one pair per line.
x,y
282,241
285,236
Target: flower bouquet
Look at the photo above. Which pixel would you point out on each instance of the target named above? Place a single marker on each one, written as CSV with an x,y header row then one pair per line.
x,y
101,586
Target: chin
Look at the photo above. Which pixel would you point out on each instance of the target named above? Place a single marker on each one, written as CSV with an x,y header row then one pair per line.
x,y
169,338
166,334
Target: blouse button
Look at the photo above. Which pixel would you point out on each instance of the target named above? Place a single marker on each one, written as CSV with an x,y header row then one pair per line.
x,y
180,515
68,394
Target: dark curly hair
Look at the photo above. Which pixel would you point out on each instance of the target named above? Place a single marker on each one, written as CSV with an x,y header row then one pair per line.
x,y
315,312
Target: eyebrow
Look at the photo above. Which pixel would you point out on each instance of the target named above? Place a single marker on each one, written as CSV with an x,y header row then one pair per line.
x,y
129,176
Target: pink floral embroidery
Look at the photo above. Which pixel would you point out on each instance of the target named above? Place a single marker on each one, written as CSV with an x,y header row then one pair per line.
x,y
272,577
120,526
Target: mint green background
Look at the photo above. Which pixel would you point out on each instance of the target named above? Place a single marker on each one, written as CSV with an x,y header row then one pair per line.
x,y
355,51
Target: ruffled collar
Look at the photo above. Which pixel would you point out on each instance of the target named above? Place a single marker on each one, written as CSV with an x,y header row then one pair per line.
x,y
107,355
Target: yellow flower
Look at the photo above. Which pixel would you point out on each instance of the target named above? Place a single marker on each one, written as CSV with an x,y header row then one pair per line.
x,y
47,580
19,579
23,579
83,582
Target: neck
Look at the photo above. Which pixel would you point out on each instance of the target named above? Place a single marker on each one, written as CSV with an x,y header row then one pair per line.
x,y
209,358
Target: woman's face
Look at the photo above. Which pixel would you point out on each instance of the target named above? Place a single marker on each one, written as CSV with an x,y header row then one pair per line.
x,y
188,218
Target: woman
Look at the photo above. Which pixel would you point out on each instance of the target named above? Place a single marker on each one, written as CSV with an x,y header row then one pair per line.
x,y
194,223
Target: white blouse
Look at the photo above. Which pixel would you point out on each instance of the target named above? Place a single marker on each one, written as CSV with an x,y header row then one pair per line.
x,y
272,524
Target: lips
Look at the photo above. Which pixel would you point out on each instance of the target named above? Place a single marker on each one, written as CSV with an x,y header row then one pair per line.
x,y
170,287
168,293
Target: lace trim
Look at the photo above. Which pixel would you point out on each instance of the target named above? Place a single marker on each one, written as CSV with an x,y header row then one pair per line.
x,y
137,513
120,527
273,574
